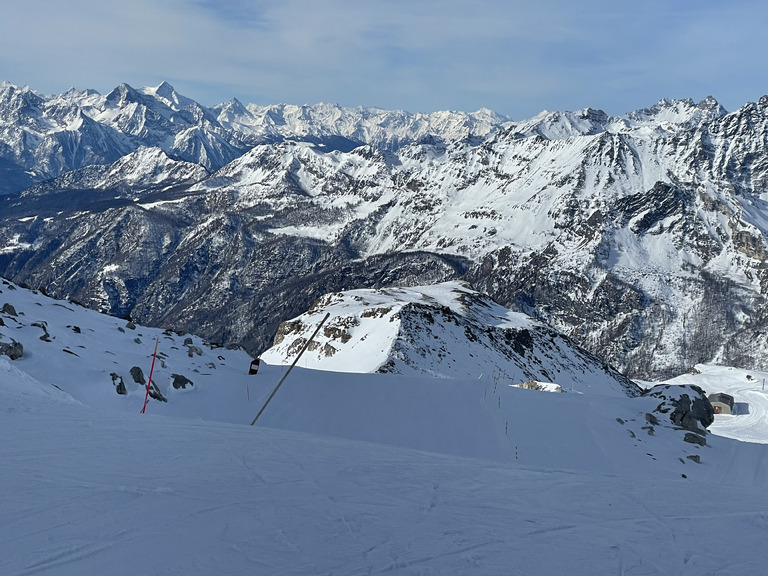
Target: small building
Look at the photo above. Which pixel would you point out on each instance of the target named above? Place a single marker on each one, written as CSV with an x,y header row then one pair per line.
x,y
721,402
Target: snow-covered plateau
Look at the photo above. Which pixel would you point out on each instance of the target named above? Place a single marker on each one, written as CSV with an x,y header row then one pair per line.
x,y
356,472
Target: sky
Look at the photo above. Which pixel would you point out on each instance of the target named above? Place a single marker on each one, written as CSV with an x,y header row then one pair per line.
x,y
517,58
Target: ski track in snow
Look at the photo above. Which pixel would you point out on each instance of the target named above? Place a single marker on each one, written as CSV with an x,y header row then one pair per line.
x,y
126,494
751,422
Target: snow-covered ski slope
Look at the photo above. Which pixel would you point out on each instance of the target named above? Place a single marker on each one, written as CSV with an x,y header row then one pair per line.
x,y
344,473
87,491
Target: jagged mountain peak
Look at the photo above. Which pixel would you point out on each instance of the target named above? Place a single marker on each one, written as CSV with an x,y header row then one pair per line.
x,y
122,95
164,89
5,85
232,108
491,114
712,105
168,95
13,96
684,112
74,93
564,125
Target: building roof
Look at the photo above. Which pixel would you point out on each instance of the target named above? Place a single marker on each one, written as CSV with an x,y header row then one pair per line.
x,y
722,398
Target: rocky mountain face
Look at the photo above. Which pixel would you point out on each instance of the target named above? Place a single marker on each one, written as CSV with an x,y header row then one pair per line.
x,y
446,330
640,237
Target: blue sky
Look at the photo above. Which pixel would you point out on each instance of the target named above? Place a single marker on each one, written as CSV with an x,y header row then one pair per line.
x,y
515,57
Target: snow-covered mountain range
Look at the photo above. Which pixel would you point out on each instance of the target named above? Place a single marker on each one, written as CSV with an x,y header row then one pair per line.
x,y
44,136
641,237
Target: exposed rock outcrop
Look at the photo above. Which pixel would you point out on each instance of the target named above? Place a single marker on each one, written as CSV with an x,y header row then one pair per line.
x,y
14,350
9,309
686,407
138,375
118,383
181,381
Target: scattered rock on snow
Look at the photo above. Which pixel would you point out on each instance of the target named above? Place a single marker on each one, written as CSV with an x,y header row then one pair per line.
x,y
44,326
180,381
154,392
9,309
138,375
694,438
14,350
119,384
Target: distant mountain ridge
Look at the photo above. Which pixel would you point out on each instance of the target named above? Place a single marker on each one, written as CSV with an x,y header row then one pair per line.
x,y
641,237
42,137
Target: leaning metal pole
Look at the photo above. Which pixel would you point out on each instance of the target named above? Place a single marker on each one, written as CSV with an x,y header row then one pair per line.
x,y
306,344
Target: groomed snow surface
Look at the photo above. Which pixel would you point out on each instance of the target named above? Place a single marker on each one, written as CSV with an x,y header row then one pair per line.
x,y
349,474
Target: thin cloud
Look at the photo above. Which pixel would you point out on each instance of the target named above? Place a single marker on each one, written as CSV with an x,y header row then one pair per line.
x,y
513,56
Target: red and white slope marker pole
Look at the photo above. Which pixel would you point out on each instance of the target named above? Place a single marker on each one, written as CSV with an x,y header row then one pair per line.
x,y
149,382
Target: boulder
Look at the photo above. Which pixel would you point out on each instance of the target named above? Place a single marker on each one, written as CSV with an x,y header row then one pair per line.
x,y
118,383
14,350
180,381
9,309
138,375
686,406
693,438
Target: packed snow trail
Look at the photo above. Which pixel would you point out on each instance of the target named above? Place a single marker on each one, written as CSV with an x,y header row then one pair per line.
x,y
749,421
89,492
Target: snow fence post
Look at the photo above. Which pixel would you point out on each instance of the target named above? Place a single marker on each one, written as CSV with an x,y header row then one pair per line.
x,y
306,344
